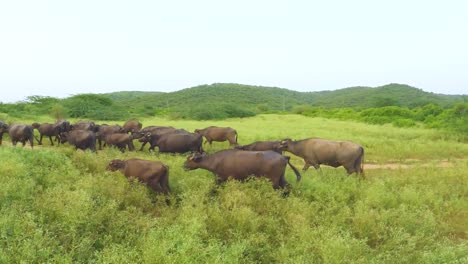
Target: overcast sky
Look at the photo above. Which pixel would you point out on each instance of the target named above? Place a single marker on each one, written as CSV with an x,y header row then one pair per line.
x,y
60,48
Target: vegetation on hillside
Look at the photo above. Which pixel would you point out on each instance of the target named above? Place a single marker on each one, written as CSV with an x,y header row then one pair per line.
x,y
396,104
61,205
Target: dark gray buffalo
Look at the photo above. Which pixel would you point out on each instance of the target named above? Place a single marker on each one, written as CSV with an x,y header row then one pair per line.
x,y
3,129
240,165
153,173
158,130
316,151
48,130
175,142
263,146
81,139
220,134
19,133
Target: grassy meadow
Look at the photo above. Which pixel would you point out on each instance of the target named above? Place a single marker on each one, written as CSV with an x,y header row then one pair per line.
x,y
61,205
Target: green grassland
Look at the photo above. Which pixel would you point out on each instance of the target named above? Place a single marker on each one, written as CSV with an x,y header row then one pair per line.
x,y
61,205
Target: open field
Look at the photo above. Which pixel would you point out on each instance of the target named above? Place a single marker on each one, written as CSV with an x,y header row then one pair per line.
x,y
60,205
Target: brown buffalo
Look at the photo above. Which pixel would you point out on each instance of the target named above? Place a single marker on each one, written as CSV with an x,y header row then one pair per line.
x,y
20,133
85,125
122,141
213,133
106,130
263,146
316,151
49,130
240,165
175,142
153,173
132,126
81,139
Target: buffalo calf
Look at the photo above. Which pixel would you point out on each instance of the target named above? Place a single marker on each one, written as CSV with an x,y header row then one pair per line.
x,y
153,173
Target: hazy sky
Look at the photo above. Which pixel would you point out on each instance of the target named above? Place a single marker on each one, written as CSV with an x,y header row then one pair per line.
x,y
60,48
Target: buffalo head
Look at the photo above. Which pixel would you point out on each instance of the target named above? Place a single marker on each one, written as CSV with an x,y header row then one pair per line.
x,y
192,161
284,144
115,165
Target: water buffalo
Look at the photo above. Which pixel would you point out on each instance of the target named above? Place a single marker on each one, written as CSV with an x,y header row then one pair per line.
x,y
132,126
49,130
213,133
175,142
240,165
153,173
3,129
21,133
159,130
106,130
121,141
64,125
85,125
316,151
81,139
263,146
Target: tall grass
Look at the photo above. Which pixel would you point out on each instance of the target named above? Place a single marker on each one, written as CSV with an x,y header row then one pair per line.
x,y
61,205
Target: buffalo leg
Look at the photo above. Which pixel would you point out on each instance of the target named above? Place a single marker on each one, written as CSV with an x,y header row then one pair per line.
x,y
143,145
306,166
40,139
51,142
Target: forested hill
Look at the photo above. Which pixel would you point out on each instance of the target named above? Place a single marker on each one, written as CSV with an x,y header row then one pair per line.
x,y
272,98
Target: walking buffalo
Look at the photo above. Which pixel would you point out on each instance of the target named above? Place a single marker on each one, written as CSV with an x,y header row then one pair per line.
x,y
3,129
153,173
122,141
220,134
106,130
19,133
316,151
85,125
49,130
157,130
132,126
263,146
81,139
240,165
175,142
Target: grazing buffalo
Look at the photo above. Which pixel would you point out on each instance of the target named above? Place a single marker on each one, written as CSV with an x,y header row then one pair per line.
x,y
317,151
85,125
106,130
21,133
175,142
132,126
122,141
263,146
240,165
213,133
81,139
153,173
49,130
3,129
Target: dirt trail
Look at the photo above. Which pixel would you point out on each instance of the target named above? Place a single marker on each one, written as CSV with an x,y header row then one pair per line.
x,y
397,166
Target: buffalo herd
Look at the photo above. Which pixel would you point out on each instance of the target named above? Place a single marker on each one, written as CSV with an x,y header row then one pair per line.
x,y
259,159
